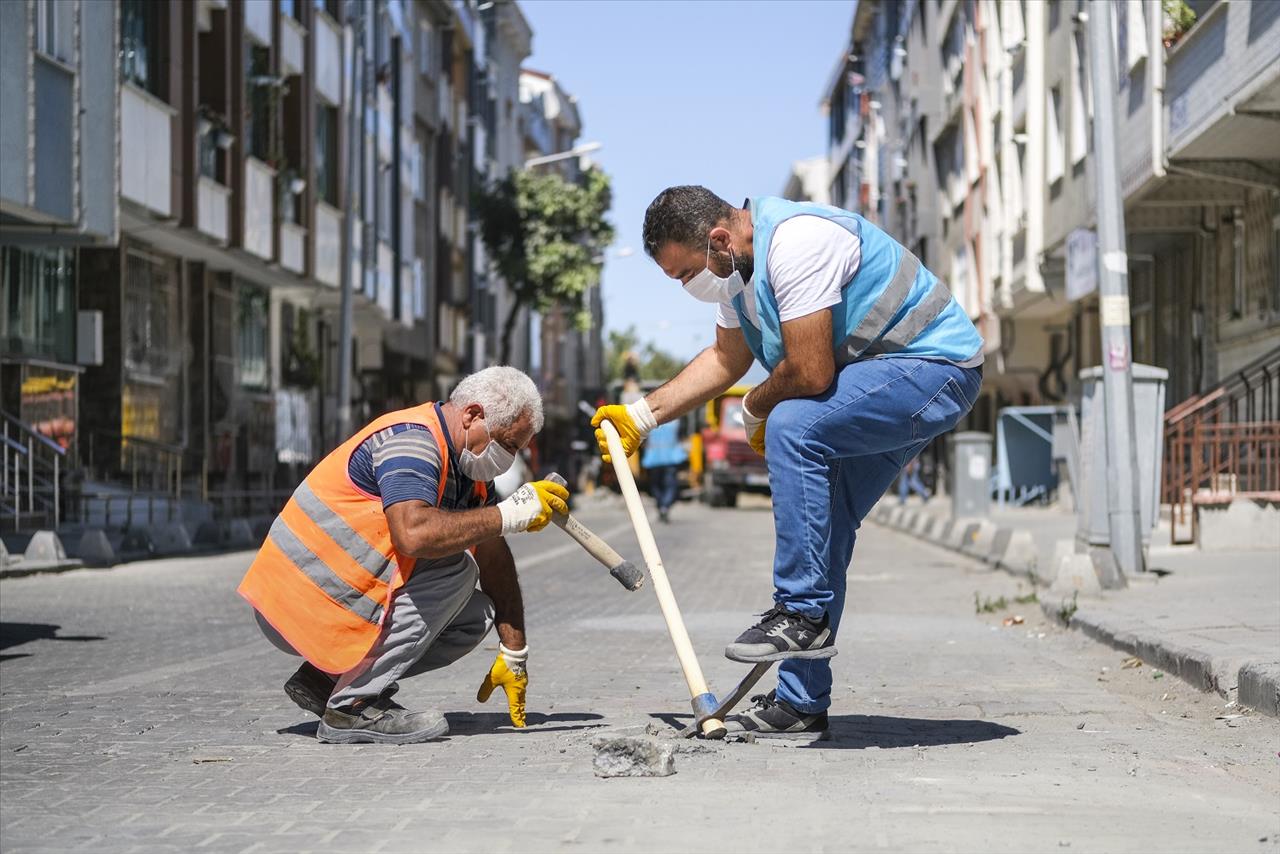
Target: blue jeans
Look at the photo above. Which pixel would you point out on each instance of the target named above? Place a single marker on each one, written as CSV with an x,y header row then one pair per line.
x,y
664,484
830,459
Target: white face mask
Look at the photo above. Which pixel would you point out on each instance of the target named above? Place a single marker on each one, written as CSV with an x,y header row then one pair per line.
x,y
708,287
489,463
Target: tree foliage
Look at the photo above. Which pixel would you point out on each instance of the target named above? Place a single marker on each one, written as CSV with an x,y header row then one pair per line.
x,y
545,236
651,363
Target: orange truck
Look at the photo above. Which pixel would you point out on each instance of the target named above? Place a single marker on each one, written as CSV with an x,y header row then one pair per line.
x,y
728,465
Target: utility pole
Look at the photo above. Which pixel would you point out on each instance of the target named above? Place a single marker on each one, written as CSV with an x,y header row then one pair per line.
x,y
1123,493
355,119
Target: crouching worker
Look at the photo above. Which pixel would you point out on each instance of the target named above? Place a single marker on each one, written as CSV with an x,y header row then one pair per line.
x,y
370,571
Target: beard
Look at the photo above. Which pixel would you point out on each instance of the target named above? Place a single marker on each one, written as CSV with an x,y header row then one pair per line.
x,y
744,264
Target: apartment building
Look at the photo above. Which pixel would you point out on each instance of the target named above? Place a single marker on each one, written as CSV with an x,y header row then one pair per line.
x,y
174,178
987,106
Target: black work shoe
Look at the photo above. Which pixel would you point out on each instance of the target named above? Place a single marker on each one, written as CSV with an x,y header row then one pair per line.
x,y
382,721
310,688
782,634
774,718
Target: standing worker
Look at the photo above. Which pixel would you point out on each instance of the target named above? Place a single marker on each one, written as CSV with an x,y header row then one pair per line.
x,y
369,572
869,358
662,458
910,481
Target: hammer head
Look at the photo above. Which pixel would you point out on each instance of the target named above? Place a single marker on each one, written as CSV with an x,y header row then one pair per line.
x,y
627,574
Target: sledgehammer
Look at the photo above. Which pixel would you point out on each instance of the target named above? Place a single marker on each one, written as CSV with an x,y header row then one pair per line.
x,y
623,570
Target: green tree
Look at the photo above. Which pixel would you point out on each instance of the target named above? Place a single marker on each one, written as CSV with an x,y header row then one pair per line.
x,y
651,362
545,235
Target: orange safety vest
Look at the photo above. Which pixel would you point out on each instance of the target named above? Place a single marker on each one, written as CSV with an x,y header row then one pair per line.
x,y
327,571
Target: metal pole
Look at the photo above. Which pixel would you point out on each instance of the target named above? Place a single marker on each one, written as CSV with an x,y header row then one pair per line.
x,y
57,509
355,120
1123,494
31,475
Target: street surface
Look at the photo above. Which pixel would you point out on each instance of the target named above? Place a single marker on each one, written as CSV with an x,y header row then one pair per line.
x,y
142,710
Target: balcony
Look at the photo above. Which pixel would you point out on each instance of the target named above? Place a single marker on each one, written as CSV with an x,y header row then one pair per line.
x,y
293,247
257,20
292,40
212,209
259,213
327,251
146,130
1222,79
326,41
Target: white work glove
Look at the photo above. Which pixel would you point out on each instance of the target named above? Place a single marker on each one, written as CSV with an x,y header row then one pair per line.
x,y
754,427
529,508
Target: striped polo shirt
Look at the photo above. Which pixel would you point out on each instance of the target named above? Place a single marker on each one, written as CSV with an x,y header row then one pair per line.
x,y
402,463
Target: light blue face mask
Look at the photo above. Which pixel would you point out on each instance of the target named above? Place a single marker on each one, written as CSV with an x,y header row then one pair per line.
x,y
708,287
489,463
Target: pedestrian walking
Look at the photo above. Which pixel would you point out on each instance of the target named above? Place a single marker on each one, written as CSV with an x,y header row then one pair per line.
x,y
662,458
869,358
909,481
370,571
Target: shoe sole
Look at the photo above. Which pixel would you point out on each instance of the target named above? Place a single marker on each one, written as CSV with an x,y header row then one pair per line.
x,y
792,738
330,735
305,700
777,655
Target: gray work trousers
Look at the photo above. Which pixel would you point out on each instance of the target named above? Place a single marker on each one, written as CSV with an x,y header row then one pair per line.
x,y
435,619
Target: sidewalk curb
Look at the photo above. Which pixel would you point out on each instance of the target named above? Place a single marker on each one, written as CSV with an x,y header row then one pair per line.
x,y
1251,683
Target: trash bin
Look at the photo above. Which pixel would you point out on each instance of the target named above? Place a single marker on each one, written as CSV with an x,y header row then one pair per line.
x,y
970,475
1148,429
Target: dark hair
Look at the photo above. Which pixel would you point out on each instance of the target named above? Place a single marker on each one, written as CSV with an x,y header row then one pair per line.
x,y
683,215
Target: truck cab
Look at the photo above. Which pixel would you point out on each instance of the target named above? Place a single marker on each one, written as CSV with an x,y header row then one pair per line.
x,y
729,465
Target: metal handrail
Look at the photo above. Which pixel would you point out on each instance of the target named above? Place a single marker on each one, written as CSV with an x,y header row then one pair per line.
x,y
34,433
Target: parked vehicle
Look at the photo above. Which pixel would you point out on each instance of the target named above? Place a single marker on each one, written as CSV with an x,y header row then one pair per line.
x,y
729,465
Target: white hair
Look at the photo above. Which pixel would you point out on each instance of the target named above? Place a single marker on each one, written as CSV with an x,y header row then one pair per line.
x,y
504,392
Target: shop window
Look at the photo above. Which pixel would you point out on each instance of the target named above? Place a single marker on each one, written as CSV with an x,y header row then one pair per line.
x,y
152,342
140,44
251,328
38,312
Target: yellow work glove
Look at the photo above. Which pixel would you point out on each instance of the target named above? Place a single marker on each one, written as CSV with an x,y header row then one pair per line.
x,y
511,675
755,429
632,421
529,508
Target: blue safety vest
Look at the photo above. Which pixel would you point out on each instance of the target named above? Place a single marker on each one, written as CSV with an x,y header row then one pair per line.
x,y
892,306
662,447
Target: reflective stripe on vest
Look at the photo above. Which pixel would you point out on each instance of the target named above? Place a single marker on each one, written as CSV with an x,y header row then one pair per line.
x,y
883,311
925,312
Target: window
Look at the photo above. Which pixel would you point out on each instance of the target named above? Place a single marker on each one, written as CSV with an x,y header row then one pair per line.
x,y
252,338
1055,14
152,345
326,154
1056,157
291,9
330,8
258,96
140,43
54,23
1275,260
1081,106
1237,263
38,312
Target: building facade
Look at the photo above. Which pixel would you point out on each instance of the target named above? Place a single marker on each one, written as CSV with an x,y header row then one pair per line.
x,y
175,177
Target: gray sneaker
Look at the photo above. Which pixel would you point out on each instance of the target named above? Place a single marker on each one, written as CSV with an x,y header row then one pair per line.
x,y
382,721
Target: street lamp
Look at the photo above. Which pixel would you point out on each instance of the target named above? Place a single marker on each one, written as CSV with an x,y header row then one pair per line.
x,y
576,151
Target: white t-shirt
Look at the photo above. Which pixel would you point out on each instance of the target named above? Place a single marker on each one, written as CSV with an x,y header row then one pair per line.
x,y
810,261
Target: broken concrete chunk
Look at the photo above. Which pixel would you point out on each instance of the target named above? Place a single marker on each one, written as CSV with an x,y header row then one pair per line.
x,y
633,757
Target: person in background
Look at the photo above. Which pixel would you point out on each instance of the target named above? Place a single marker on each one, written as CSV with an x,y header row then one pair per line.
x,y
663,456
909,481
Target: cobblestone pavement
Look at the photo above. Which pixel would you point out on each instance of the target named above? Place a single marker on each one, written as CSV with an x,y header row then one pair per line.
x,y
141,710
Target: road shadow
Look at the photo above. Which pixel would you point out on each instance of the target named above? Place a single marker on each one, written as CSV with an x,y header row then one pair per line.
x,y
16,634
478,723
859,732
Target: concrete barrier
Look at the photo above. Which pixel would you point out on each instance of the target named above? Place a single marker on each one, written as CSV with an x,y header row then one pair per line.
x,y
210,534
895,516
978,538
1242,523
1075,574
95,549
942,531
45,547
240,535
999,543
1020,554
171,538
924,523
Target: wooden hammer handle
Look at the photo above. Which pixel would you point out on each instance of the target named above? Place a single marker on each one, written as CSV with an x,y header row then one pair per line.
x,y
661,586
